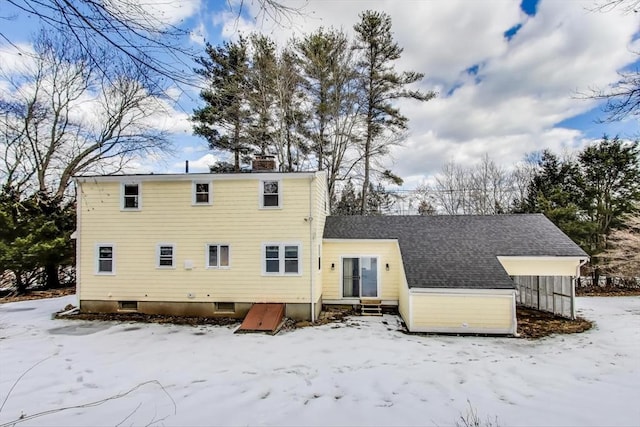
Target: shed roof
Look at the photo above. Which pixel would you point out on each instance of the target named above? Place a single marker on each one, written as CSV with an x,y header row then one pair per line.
x,y
458,251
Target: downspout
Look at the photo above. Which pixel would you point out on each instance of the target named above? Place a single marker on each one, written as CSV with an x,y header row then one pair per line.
x,y
573,288
311,245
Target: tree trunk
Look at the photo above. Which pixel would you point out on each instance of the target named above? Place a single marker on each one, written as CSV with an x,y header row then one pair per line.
x,y
21,287
51,276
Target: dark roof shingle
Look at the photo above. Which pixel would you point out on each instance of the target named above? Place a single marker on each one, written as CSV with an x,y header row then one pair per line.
x,y
458,251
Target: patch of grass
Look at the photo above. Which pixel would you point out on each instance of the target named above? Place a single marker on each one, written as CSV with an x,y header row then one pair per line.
x,y
471,419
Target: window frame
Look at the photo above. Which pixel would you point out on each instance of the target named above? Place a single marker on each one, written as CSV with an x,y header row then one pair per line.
x,y
263,194
159,247
123,186
218,266
194,193
282,259
97,259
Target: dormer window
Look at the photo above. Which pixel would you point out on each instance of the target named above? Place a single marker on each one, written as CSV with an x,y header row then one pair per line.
x,y
131,196
270,196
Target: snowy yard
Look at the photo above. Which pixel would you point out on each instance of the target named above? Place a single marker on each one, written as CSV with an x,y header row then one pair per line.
x,y
364,372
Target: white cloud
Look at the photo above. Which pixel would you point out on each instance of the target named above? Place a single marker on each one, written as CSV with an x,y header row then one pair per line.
x,y
199,34
525,86
158,13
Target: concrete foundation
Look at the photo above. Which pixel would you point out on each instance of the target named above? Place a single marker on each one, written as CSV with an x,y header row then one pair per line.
x,y
297,311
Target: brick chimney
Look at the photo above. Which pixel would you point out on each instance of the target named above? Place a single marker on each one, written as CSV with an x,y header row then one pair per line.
x,y
266,163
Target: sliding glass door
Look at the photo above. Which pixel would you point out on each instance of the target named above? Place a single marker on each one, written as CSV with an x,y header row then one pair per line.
x,y
359,277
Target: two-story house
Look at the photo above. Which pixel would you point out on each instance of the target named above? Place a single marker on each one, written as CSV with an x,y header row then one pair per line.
x,y
214,244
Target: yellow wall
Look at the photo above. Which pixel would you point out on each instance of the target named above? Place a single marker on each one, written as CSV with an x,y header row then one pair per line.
x,y
463,313
386,251
168,216
542,266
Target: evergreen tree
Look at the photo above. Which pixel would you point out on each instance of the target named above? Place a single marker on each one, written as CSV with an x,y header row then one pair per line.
x,y
610,186
381,85
349,203
262,92
225,119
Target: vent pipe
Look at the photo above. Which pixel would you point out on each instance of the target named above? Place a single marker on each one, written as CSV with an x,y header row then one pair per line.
x,y
186,166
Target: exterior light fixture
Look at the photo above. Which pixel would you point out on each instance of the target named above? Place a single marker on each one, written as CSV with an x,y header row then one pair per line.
x,y
387,266
333,266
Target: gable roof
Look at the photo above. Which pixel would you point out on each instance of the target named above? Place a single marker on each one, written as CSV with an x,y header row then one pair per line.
x,y
458,251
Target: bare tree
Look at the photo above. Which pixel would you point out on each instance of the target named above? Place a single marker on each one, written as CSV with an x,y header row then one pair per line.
x,y
623,256
63,117
144,34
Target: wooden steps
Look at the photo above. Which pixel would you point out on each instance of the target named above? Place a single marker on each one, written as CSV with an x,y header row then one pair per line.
x,y
370,307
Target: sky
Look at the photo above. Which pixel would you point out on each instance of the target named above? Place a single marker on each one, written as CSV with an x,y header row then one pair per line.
x,y
363,371
511,76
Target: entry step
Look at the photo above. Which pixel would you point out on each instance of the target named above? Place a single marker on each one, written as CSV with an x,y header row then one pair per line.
x,y
371,307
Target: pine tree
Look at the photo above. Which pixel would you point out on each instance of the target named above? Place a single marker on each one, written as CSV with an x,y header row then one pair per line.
x,y
381,86
225,119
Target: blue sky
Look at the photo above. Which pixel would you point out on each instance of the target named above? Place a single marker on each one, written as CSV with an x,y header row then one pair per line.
x,y
509,74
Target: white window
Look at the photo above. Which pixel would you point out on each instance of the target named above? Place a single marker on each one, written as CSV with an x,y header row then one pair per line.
x,y
105,258
217,256
166,255
131,199
270,194
281,259
201,193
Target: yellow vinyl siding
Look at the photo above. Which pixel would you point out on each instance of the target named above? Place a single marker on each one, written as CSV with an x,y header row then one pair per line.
x,y
542,266
442,312
168,216
386,251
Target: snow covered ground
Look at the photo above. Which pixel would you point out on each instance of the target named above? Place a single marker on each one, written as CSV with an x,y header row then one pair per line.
x,y
364,372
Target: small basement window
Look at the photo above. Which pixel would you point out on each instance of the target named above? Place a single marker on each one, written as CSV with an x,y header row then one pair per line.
x,y
128,305
225,307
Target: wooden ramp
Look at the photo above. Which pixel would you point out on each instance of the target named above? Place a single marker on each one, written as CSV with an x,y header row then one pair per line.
x,y
263,318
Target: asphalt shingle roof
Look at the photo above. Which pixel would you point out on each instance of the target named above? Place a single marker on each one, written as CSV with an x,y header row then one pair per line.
x,y
458,251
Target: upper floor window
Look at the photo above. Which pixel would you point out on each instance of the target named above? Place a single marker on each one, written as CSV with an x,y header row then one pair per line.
x,y
281,259
217,256
201,193
166,254
131,196
105,259
270,194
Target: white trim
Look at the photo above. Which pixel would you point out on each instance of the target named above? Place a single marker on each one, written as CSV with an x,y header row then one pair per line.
x,y
267,176
360,240
356,301
462,291
96,257
541,258
460,330
122,185
261,194
79,201
378,278
194,184
281,259
217,267
173,256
